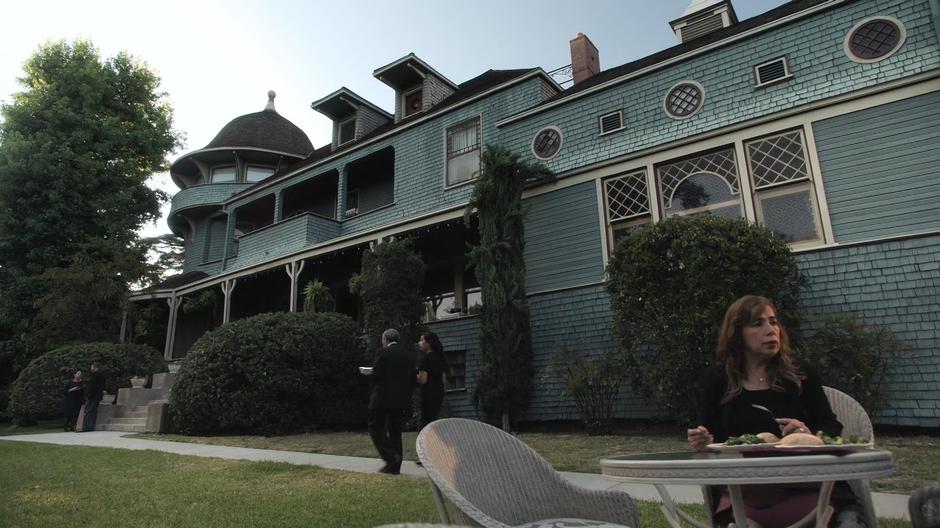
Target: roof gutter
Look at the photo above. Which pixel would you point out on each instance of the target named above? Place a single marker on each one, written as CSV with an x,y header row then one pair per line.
x,y
669,62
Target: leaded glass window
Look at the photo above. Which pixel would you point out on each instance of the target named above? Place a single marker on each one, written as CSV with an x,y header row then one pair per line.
x,y
627,204
777,159
684,99
547,143
874,39
703,184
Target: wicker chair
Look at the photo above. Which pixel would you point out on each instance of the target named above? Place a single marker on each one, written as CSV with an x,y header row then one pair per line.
x,y
496,481
924,506
855,422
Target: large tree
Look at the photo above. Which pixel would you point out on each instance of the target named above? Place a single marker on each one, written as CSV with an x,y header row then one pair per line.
x,y
504,382
77,145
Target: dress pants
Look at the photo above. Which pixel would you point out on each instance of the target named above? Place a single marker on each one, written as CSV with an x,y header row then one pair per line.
x,y
430,407
91,415
385,427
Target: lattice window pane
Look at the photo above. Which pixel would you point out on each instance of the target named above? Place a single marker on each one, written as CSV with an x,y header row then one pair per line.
x,y
627,196
874,39
721,163
683,100
777,159
791,214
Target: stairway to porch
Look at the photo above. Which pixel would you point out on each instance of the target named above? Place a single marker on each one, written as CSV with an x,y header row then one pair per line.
x,y
139,410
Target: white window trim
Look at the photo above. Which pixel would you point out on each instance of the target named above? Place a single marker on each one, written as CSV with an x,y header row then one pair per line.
x,y
561,142
746,192
600,121
607,198
479,118
787,72
404,98
339,130
673,87
860,23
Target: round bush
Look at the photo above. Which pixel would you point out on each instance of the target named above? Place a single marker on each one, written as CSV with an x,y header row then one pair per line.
x,y
670,284
37,392
271,374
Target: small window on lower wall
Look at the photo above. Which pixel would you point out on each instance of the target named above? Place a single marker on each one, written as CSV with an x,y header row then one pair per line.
x,y
456,369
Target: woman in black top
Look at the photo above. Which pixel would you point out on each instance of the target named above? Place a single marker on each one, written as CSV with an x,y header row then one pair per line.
x,y
757,368
72,395
431,376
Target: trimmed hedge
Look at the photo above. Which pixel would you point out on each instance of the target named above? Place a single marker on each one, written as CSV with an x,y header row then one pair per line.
x,y
271,374
37,392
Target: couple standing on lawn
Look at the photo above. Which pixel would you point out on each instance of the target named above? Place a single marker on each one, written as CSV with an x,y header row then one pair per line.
x,y
393,378
76,392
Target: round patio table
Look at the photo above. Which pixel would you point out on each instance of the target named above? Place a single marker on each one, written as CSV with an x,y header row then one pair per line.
x,y
732,469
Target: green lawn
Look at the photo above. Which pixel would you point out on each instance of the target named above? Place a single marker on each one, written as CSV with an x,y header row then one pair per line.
x,y
45,485
917,458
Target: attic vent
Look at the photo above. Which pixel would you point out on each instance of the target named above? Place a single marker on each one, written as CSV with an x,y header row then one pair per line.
x,y
772,71
697,28
611,122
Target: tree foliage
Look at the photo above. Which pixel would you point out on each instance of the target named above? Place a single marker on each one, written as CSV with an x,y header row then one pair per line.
x,y
505,376
670,284
390,285
37,392
855,356
166,254
77,145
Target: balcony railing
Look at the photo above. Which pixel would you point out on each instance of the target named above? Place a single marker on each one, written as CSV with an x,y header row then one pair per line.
x,y
204,194
284,237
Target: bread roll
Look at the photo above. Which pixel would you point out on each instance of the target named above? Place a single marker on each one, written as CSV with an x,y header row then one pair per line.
x,y
805,439
770,438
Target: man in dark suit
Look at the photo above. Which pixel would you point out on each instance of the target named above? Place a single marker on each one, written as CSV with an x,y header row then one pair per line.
x,y
94,391
393,378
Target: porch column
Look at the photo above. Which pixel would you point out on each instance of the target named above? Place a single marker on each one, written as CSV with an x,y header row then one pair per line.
x,y
293,271
174,303
460,294
227,288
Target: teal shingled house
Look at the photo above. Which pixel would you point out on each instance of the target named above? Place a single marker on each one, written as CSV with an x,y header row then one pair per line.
x,y
819,119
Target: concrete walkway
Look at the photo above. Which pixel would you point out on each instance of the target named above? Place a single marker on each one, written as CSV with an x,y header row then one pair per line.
x,y
887,505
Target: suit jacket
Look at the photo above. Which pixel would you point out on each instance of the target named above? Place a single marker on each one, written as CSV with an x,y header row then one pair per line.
x,y
393,378
94,390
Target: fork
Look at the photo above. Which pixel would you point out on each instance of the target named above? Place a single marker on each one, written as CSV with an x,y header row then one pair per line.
x,y
765,409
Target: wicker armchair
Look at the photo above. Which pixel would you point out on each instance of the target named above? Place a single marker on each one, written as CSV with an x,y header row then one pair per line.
x,y
855,422
494,480
924,506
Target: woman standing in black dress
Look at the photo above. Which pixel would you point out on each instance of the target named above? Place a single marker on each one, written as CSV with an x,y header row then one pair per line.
x,y
72,400
431,377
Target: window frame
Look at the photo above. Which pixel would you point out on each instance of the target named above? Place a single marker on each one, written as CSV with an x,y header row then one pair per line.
x,y
447,157
672,88
252,166
846,42
339,130
213,170
561,142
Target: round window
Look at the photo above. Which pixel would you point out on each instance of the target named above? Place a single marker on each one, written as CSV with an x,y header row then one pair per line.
x,y
684,99
874,39
547,143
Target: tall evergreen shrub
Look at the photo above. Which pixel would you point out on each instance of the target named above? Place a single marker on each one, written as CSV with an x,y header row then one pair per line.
x,y
505,376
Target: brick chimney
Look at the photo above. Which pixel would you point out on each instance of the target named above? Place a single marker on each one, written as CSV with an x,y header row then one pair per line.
x,y
585,61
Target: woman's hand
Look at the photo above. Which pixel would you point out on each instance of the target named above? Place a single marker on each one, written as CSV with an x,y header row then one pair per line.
x,y
792,425
699,438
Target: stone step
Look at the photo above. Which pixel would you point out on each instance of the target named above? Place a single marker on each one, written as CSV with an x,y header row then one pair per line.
x,y
127,421
124,428
134,414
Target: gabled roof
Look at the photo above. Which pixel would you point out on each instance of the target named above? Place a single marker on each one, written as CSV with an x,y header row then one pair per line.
x,y
408,71
343,103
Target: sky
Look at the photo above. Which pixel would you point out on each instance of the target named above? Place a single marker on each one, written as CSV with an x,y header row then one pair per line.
x,y
217,60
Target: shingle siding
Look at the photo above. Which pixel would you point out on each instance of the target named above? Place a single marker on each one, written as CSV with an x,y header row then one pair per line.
x,y
820,67
881,168
895,284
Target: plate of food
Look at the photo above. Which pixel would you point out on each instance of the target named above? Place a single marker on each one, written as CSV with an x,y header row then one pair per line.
x,y
821,442
747,442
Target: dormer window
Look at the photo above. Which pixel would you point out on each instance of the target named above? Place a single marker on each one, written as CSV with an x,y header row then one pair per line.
x,y
347,131
223,174
413,102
